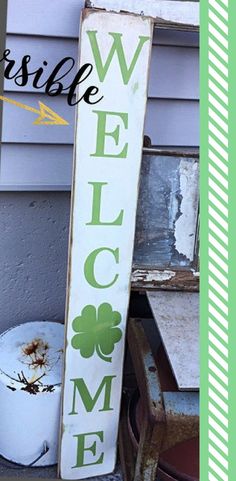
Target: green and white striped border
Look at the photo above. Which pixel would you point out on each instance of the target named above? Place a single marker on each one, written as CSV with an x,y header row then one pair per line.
x,y
217,393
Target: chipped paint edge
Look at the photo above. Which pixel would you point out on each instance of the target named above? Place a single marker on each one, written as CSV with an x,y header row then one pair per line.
x,y
186,222
151,279
162,11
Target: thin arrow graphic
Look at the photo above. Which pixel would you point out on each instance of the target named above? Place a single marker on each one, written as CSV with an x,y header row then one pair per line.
x,y
44,113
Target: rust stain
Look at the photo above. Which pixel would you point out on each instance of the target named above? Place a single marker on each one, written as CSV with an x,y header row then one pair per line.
x,y
180,427
37,355
36,351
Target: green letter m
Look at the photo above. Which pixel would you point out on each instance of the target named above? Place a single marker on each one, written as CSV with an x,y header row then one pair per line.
x,y
118,48
87,399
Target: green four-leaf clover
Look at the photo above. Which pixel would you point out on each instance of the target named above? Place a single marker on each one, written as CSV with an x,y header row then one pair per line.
x,y
97,331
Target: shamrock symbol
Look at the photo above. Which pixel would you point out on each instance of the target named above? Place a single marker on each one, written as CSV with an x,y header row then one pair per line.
x,y
97,331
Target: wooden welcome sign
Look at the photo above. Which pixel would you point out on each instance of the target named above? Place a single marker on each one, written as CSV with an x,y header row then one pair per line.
x,y
108,148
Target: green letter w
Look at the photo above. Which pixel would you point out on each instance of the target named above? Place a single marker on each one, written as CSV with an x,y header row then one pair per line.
x,y
118,48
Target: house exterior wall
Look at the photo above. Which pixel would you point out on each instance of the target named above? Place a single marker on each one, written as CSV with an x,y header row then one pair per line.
x,y
36,162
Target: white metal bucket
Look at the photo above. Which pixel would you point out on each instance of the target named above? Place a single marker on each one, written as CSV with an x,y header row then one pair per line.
x,y
30,388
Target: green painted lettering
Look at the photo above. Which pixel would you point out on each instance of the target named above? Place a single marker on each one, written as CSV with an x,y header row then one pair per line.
x,y
89,401
102,134
89,267
96,209
80,462
117,48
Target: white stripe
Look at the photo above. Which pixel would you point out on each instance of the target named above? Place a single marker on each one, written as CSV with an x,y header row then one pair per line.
x,y
219,318
218,92
218,230
212,198
218,456
218,386
212,44
219,9
218,22
218,176
217,119
218,288
218,344
218,428
218,415
218,274
218,372
218,36
217,442
216,258
223,476
218,162
225,2
220,236
221,137
216,328
218,400
218,148
218,218
212,477
218,358
218,190
220,305
218,64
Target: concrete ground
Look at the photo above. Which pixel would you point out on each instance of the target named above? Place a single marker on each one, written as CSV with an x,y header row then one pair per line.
x,y
10,471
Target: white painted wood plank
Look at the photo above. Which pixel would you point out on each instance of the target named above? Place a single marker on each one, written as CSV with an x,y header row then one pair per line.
x,y
177,318
174,123
186,13
38,18
174,71
104,300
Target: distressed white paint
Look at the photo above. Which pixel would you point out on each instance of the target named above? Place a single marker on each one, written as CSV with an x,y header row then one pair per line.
x,y
121,175
28,418
177,318
186,13
185,226
152,275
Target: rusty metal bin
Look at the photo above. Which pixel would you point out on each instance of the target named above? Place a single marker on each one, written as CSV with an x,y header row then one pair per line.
x,y
180,462
30,388
159,427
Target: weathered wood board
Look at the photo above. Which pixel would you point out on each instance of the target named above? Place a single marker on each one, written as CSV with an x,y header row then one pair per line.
x,y
163,11
177,318
108,148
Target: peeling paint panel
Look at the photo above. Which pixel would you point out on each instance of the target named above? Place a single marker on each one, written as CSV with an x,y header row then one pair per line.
x,y
167,212
177,318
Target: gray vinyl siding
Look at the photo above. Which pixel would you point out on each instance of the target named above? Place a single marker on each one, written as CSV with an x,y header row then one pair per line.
x,y
40,157
34,225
